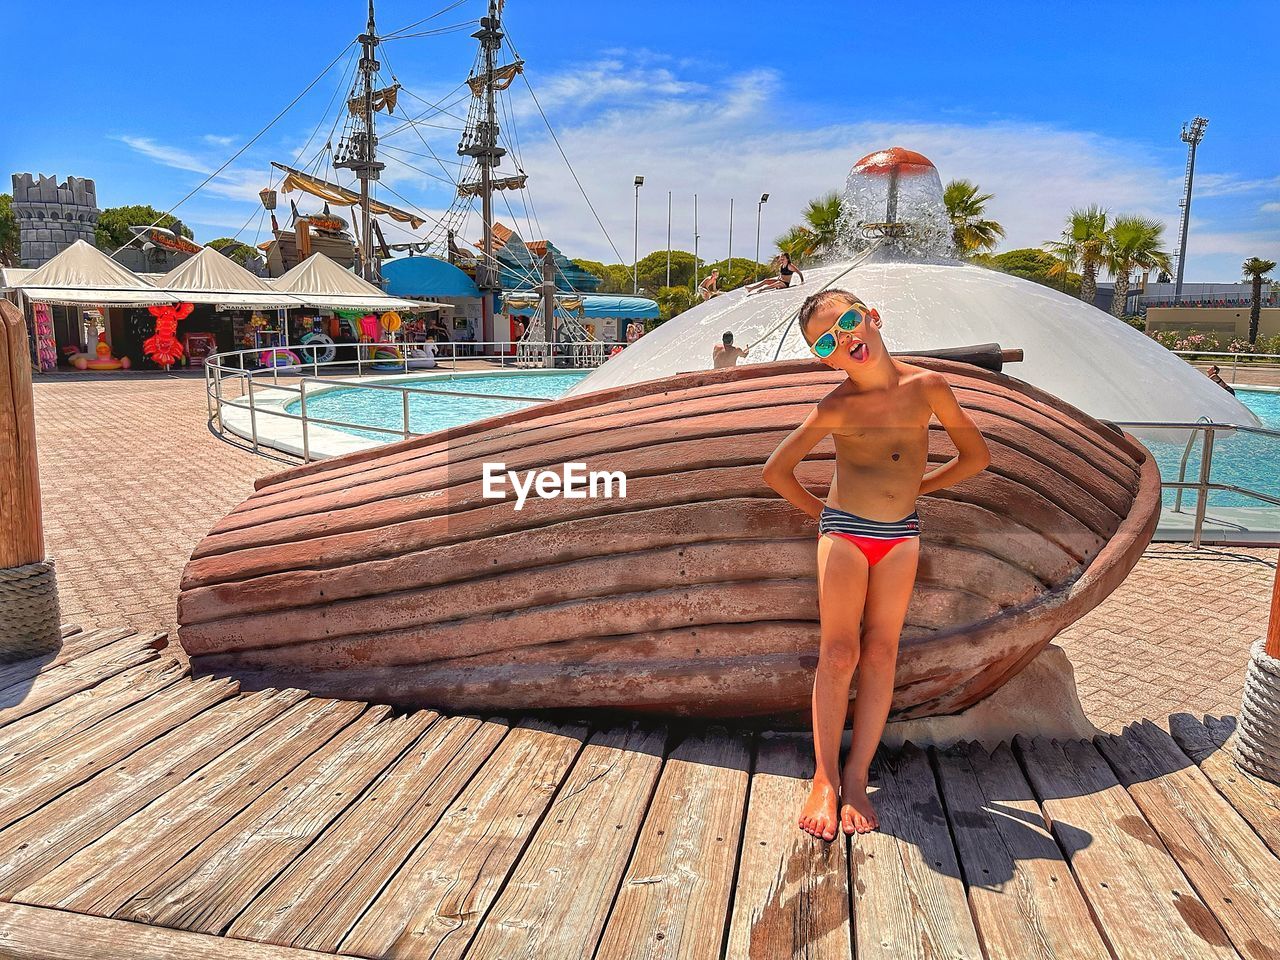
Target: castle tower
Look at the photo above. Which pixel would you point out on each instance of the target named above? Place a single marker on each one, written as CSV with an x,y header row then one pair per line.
x,y
51,216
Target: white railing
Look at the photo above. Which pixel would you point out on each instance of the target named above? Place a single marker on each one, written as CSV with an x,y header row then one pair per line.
x,y
235,380
1207,432
1270,359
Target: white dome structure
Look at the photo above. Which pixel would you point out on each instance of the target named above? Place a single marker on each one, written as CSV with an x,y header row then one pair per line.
x,y
1072,349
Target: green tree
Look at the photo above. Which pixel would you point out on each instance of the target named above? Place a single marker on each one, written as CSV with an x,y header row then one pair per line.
x,y
673,301
1031,264
1082,247
241,253
742,272
653,269
113,226
971,232
818,235
9,248
1133,243
614,277
1256,269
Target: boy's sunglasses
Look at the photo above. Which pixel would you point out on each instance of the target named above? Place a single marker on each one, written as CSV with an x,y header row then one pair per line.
x,y
848,321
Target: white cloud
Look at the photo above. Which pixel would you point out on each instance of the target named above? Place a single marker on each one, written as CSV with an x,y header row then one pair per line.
x,y
219,141
1272,207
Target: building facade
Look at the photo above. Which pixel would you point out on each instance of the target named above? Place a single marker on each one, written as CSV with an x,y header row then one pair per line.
x,y
51,216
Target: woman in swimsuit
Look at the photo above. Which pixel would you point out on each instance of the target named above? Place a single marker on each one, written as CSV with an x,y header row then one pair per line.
x,y
781,281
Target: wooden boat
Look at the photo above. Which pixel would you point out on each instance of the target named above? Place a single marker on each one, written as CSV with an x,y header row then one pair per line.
x,y
386,576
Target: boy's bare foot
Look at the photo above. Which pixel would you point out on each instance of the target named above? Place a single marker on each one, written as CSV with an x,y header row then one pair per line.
x,y
818,816
857,814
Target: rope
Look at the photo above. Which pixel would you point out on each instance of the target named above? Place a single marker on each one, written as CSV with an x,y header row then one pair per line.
x,y
29,624
1257,743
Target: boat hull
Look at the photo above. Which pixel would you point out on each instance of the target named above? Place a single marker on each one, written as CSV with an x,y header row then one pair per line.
x,y
388,576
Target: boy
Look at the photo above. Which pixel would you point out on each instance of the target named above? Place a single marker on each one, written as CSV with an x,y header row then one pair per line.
x,y
869,534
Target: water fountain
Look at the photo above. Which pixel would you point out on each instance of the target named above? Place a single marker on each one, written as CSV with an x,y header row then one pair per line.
x,y
896,254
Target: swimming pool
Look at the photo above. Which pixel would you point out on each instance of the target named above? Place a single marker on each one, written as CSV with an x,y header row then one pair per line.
x,y
429,412
1245,460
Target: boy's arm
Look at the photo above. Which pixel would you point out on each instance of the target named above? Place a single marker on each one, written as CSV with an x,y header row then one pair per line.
x,y
780,470
972,455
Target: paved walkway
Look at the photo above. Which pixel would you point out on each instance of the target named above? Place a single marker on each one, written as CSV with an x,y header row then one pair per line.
x,y
132,479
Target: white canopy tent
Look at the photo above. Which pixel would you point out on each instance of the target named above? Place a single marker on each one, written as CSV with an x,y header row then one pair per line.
x,y
212,278
83,274
320,282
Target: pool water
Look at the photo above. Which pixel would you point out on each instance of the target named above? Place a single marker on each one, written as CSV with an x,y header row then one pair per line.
x,y
429,412
1246,460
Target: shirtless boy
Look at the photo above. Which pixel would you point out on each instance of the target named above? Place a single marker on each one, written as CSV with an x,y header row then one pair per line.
x,y
869,534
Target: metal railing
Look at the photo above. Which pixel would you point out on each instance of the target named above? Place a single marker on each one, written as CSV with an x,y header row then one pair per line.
x,y
1271,360
235,380
1206,431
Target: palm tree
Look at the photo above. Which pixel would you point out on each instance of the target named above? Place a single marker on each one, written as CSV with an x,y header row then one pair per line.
x,y
1081,248
1256,269
1133,243
819,235
970,232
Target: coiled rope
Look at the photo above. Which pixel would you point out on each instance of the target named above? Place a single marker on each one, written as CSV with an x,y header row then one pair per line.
x,y
29,624
1257,744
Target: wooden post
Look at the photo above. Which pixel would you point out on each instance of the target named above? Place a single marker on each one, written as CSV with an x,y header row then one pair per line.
x,y
1273,625
21,529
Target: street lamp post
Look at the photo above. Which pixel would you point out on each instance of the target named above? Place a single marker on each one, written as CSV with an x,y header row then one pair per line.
x,y
668,238
729,272
755,271
635,250
695,242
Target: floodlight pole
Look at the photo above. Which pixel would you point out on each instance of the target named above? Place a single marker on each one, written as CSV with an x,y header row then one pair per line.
x,y
635,252
695,241
755,271
1192,134
729,272
668,238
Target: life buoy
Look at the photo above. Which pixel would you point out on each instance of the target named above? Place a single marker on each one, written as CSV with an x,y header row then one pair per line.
x,y
324,351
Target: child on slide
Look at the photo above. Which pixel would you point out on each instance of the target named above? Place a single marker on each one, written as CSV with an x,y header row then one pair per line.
x,y
869,534
781,281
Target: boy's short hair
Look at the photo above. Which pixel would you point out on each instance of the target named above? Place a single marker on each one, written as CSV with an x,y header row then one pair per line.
x,y
816,301
727,337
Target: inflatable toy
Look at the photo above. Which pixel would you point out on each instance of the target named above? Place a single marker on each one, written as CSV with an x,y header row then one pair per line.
x,y
102,358
387,358
324,350
278,357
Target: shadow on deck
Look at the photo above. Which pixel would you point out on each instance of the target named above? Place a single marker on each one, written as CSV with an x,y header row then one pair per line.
x,y
144,814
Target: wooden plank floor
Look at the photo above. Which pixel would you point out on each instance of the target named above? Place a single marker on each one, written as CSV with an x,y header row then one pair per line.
x,y
144,814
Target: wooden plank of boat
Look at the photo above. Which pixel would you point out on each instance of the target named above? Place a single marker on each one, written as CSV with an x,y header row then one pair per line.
x,y
80,757
36,846
908,895
75,644
25,697
208,888
434,903
1230,867
1206,742
38,933
317,900
791,898
103,876
676,891
505,558
558,897
80,711
1143,903
1024,901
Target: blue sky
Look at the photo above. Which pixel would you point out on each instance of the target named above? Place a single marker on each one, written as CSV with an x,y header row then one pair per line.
x,y
1046,105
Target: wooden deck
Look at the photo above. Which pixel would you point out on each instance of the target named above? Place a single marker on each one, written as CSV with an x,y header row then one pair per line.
x,y
147,815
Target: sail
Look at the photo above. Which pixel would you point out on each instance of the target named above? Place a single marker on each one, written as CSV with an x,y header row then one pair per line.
x,y
503,77
333,193
504,183
384,99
